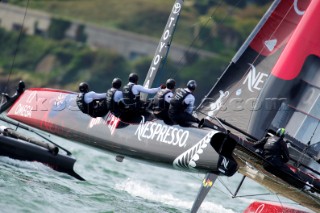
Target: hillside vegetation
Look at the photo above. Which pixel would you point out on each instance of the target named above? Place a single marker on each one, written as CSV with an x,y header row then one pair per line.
x,y
217,26
210,24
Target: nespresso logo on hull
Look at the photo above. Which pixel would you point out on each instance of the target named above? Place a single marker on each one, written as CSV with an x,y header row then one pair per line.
x,y
162,133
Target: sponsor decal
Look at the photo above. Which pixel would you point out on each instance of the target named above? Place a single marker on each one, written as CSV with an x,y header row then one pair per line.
x,y
238,92
95,122
270,44
176,8
260,208
296,9
164,43
110,121
188,159
31,96
59,101
207,183
23,110
162,133
214,107
255,80
224,163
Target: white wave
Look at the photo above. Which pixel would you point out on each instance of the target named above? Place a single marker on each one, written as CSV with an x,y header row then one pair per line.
x,y
24,164
142,189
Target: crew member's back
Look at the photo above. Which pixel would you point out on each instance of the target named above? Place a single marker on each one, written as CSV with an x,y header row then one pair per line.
x,y
114,97
161,101
91,103
182,104
133,106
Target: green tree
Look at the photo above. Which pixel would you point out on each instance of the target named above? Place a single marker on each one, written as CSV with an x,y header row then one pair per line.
x,y
58,28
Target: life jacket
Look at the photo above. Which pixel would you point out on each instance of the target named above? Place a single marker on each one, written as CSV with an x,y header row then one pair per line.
x,y
111,104
130,100
159,103
176,103
83,106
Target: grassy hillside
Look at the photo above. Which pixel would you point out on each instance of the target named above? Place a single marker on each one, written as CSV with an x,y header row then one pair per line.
x,y
209,24
218,26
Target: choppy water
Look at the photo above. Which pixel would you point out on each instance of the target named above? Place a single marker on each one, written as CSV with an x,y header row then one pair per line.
x,y
110,186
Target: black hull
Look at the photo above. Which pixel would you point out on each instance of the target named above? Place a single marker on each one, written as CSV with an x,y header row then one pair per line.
x,y
25,151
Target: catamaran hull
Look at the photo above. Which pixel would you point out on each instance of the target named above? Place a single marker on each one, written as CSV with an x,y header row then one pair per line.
x,y
190,149
23,150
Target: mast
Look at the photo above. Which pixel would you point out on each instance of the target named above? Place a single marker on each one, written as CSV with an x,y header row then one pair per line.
x,y
163,46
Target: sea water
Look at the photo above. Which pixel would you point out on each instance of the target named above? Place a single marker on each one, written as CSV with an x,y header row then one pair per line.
x,y
112,186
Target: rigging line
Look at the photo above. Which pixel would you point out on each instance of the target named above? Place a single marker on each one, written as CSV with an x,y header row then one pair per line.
x,y
17,46
262,49
211,90
196,37
303,153
248,195
303,112
256,58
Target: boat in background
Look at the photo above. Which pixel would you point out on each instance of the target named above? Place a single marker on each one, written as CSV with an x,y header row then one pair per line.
x,y
22,146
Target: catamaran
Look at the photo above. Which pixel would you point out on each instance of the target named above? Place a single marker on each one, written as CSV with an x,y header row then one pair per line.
x,y
271,82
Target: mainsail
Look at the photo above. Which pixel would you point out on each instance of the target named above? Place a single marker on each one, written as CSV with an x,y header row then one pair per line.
x,y
295,81
234,96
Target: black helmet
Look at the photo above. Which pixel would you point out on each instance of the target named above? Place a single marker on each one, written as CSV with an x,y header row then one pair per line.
x,y
171,83
116,83
83,87
133,77
192,84
280,132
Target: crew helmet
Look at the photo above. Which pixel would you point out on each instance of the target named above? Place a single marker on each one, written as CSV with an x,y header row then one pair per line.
x,y
133,77
192,84
83,87
280,132
171,83
116,83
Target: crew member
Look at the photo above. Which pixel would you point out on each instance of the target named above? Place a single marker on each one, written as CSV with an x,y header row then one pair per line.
x,y
276,153
114,97
161,101
131,96
182,104
91,103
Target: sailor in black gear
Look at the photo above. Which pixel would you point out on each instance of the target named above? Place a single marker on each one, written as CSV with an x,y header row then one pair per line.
x,y
114,97
161,101
131,96
182,104
276,153
91,103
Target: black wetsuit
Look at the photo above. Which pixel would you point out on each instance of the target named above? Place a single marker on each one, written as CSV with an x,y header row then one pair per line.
x,y
161,107
96,108
113,106
276,153
83,106
177,109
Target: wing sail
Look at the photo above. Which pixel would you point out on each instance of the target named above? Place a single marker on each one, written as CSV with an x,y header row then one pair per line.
x,y
234,96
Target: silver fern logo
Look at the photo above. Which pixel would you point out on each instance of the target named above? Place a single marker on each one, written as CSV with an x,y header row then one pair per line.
x,y
188,159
